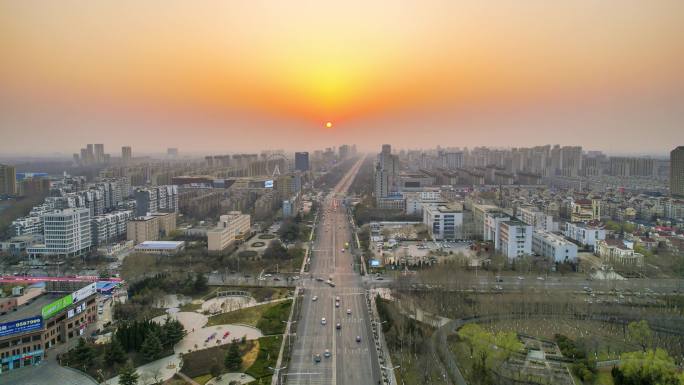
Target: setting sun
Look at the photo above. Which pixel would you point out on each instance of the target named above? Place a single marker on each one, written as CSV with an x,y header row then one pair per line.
x,y
328,124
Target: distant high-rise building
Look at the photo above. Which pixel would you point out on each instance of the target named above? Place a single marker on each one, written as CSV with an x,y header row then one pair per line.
x,y
126,154
8,180
623,166
451,160
677,172
90,154
302,161
345,151
386,173
99,153
172,152
571,160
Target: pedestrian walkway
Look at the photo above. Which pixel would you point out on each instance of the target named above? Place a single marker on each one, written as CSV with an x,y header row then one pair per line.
x,y
48,372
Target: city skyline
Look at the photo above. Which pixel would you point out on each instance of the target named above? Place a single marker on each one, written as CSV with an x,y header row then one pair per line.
x,y
251,76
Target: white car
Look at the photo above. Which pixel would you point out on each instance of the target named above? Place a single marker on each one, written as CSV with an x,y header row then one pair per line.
x,y
314,298
323,321
349,311
268,275
327,353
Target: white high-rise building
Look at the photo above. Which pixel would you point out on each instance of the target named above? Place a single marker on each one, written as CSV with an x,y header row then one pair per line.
x,y
66,232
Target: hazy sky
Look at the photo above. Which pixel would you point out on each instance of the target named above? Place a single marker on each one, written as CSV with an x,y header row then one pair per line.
x,y
245,75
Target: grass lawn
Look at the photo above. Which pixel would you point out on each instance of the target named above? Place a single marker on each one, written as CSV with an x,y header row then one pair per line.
x,y
190,307
199,363
273,319
603,377
202,379
250,316
269,347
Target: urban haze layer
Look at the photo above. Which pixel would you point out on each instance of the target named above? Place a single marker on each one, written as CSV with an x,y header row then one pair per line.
x,y
452,265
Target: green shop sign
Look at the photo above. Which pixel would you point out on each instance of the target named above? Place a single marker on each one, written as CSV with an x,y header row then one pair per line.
x,y
57,306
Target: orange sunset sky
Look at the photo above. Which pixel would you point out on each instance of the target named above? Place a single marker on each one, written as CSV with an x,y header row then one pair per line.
x,y
212,76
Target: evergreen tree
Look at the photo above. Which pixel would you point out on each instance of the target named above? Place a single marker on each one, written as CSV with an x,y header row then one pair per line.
x,y
115,352
127,375
83,354
152,347
233,359
173,332
200,283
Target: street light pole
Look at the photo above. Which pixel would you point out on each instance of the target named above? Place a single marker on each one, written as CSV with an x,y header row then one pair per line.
x,y
276,372
389,379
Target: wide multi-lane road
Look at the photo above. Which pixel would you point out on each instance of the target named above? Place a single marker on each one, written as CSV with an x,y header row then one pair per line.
x,y
351,362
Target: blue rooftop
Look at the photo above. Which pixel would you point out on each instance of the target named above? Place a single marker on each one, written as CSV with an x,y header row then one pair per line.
x,y
161,244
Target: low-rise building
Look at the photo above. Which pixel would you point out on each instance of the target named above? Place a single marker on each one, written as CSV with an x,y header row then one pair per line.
x,y
233,227
614,251
585,234
143,229
515,238
537,218
585,210
554,246
444,222
44,321
161,247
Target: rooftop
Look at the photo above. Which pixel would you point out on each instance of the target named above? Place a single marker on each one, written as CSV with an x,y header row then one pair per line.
x,y
161,244
515,222
552,237
31,309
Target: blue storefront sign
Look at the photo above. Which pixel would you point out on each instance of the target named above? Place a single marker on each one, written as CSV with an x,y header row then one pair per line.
x,y
21,326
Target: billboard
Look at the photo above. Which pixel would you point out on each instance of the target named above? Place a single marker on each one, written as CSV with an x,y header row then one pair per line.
x,y
84,292
268,183
21,326
57,306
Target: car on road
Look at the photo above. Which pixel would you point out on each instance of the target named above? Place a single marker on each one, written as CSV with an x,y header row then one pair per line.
x,y
296,277
268,275
540,278
314,298
327,353
323,321
319,279
338,326
358,338
520,278
276,279
349,311
379,278
317,357
337,304
337,299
